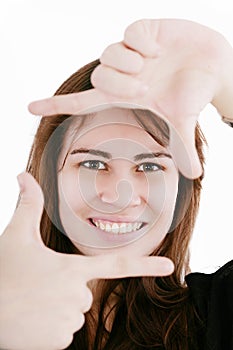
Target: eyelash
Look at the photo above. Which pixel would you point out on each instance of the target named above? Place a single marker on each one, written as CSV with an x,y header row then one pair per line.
x,y
92,162
158,166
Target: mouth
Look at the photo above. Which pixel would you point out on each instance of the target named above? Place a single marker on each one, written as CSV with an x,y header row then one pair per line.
x,y
117,228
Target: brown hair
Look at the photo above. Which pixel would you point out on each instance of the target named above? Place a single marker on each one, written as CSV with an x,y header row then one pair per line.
x,y
152,313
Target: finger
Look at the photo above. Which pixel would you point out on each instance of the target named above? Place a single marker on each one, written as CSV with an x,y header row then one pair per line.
x,y
117,266
88,300
75,103
142,35
186,96
26,219
183,149
115,83
119,57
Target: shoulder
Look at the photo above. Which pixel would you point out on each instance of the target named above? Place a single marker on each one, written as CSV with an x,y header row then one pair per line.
x,y
212,290
212,294
202,281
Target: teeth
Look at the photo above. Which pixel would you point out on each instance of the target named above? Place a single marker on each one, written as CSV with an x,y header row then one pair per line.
x,y
124,227
107,227
101,226
115,228
129,228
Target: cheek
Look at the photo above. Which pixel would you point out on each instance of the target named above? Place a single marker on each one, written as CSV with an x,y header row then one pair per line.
x,y
171,196
69,192
163,192
162,202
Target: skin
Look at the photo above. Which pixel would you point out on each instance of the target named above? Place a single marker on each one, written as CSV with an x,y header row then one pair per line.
x,y
30,269
172,66
31,273
121,190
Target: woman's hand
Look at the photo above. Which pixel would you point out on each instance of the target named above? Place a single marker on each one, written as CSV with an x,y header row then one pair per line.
x,y
44,294
174,67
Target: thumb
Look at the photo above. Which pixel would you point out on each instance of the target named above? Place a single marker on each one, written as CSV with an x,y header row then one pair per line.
x,y
183,149
27,216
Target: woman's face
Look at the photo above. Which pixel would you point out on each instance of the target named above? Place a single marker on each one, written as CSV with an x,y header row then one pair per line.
x,y
117,186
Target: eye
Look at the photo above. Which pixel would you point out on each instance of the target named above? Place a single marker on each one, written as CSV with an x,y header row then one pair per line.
x,y
94,165
150,167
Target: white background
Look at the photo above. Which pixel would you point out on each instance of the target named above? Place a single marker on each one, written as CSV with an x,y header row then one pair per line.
x,y
45,41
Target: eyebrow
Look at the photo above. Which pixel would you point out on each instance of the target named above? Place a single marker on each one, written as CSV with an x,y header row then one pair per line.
x,y
108,155
95,152
151,155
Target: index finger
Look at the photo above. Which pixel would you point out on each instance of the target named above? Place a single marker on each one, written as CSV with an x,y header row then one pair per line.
x,y
70,103
120,266
182,138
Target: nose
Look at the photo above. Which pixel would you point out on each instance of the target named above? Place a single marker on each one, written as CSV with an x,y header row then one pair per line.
x,y
120,192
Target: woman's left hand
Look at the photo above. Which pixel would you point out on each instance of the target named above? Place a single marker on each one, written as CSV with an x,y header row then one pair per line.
x,y
174,67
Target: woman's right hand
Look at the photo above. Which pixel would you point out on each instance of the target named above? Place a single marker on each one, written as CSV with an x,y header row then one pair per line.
x,y
44,294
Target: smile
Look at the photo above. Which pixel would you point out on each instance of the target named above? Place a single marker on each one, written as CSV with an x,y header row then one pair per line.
x,y
117,227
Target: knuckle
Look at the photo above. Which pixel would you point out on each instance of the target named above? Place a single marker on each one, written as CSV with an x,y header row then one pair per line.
x,y
88,300
132,27
135,29
54,106
130,87
72,322
137,62
80,322
76,103
109,53
85,298
96,75
64,339
117,83
119,57
75,322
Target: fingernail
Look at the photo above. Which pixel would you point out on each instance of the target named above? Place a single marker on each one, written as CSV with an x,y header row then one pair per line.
x,y
36,107
168,266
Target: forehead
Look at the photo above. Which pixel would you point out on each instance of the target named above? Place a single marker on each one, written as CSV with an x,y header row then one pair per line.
x,y
107,125
114,130
111,115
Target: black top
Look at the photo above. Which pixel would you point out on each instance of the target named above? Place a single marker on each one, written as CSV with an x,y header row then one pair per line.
x,y
212,295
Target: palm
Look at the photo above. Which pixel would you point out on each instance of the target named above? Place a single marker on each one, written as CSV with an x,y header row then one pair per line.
x,y
183,78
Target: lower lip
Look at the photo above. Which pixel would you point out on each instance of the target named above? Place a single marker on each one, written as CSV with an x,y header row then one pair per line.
x,y
118,238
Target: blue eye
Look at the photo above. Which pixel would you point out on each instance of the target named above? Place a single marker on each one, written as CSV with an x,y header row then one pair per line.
x,y
150,167
94,165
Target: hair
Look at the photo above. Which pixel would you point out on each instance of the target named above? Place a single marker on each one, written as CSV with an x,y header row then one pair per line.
x,y
149,312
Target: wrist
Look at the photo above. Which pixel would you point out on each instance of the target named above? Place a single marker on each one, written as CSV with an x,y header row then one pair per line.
x,y
223,100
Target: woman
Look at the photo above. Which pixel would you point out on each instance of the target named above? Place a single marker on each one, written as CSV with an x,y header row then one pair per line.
x,y
168,299
130,313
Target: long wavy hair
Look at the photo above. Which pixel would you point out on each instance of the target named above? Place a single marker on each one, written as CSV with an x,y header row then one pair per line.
x,y
149,312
